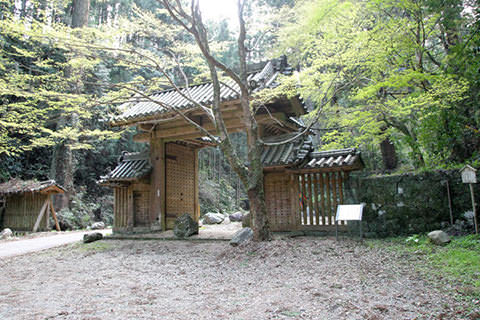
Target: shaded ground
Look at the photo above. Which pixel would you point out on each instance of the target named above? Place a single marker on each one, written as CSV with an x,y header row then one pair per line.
x,y
299,278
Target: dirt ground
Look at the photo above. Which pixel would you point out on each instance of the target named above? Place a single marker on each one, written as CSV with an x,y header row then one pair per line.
x,y
300,278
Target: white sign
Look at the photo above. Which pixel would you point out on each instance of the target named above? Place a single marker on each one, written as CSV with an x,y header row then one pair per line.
x,y
469,174
349,212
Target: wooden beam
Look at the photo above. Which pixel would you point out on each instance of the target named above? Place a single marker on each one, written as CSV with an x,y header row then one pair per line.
x,y
54,215
40,216
158,182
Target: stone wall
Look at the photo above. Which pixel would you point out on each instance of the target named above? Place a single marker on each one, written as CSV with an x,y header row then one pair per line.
x,y
410,203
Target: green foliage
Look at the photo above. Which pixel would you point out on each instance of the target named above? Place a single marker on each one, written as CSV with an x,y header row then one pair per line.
x,y
386,69
79,215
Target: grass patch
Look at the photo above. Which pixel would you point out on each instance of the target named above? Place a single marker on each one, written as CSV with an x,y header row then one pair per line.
x,y
97,246
457,262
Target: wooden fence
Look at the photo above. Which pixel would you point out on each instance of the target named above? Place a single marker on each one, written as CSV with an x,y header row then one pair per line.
x,y
304,201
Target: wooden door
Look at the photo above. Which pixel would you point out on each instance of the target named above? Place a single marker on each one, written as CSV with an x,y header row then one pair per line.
x,y
141,204
181,182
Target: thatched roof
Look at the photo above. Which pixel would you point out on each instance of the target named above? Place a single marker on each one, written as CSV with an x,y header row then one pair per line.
x,y
21,186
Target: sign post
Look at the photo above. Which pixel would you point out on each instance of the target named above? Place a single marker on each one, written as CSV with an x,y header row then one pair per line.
x,y
469,175
349,212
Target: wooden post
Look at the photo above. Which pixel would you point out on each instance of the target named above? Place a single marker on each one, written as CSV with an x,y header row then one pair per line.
x,y
322,197
54,215
40,216
317,207
130,209
196,202
340,190
310,199
328,195
158,182
47,211
304,203
296,203
474,207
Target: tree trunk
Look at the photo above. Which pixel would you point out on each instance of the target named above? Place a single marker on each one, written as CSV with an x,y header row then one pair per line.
x,y
80,13
256,196
63,161
389,155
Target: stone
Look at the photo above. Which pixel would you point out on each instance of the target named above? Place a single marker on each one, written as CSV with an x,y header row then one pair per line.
x,y
439,237
241,236
6,233
92,237
213,218
247,220
185,226
226,220
237,216
98,225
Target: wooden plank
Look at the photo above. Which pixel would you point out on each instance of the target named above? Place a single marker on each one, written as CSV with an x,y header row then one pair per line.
x,y
158,184
310,199
114,207
340,190
321,183
130,210
293,213
54,215
190,129
47,213
328,196
296,204
304,203
196,202
315,193
40,216
334,195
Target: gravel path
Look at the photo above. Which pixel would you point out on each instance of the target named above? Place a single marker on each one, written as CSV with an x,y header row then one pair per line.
x,y
23,246
301,278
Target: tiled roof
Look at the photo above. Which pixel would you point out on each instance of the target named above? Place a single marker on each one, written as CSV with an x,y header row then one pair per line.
x,y
297,154
334,158
20,186
294,152
202,94
131,166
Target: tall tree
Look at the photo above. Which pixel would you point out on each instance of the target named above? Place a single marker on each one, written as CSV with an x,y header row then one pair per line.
x,y
80,13
396,76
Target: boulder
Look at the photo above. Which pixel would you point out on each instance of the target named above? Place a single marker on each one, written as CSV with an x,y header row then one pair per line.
x,y
97,225
213,218
91,237
185,226
226,220
237,216
6,233
247,220
241,236
439,237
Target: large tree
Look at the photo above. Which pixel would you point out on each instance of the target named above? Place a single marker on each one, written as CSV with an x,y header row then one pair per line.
x,y
398,66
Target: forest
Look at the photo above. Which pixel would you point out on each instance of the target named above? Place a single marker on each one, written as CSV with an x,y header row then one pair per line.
x,y
397,79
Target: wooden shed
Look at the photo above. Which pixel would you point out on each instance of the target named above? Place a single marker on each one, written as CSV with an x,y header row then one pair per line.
x,y
153,188
26,205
